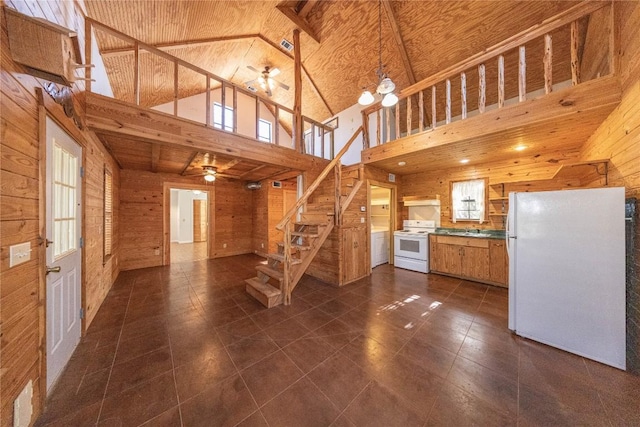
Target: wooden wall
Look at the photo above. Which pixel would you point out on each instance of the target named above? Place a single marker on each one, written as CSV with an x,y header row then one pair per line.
x,y
531,172
268,210
618,139
21,298
142,209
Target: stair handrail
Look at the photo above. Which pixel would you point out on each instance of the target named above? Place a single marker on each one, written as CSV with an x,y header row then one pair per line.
x,y
287,217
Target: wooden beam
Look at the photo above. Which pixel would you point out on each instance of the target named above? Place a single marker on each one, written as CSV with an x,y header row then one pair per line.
x,y
482,88
123,51
500,81
113,117
395,30
301,23
297,97
155,157
188,163
307,6
256,169
463,94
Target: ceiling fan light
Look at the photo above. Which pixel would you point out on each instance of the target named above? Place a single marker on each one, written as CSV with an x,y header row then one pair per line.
x,y
389,100
209,177
386,86
366,98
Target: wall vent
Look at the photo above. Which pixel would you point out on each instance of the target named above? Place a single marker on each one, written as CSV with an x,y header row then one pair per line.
x,y
287,45
276,184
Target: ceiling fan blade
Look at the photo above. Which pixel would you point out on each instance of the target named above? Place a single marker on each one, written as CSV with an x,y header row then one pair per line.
x,y
274,72
250,82
267,90
282,85
252,69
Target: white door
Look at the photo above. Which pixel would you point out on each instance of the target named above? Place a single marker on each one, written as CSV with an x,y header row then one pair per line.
x,y
63,254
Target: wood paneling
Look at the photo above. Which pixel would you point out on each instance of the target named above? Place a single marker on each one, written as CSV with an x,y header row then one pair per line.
x,y
561,120
21,296
618,139
142,209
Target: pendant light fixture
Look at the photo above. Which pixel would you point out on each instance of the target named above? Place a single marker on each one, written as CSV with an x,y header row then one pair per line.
x,y
386,86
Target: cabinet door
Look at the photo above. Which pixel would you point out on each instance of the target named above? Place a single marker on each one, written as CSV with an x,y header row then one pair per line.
x,y
498,263
355,252
475,262
435,258
450,258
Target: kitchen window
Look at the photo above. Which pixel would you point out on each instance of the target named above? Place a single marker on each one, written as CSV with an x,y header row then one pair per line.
x,y
217,117
264,130
468,200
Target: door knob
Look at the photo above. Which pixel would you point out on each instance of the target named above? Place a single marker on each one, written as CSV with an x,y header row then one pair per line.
x,y
55,269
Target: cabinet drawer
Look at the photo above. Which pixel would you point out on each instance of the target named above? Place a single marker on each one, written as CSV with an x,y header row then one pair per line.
x,y
475,242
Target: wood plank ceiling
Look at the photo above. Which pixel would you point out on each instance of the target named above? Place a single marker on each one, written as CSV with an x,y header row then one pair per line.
x,y
419,38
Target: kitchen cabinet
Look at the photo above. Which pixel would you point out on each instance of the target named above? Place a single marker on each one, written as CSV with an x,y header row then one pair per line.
x,y
354,251
469,258
498,263
379,248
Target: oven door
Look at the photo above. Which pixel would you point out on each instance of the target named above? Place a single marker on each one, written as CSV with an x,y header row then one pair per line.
x,y
414,247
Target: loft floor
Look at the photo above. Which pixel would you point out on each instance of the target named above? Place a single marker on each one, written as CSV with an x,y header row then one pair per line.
x,y
185,346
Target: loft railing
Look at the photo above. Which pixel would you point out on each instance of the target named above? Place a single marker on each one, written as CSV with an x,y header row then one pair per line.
x,y
287,222
217,103
499,74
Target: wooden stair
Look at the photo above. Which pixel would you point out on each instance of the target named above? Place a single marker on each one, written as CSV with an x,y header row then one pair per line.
x,y
324,202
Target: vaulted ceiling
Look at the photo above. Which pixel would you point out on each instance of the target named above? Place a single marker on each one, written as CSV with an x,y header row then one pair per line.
x,y
419,38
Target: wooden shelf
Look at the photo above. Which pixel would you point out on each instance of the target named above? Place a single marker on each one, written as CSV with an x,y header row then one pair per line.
x,y
498,199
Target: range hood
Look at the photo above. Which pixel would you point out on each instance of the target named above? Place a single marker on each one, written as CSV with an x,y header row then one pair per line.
x,y
422,202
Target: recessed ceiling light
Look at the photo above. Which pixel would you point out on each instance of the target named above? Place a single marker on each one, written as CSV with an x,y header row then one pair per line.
x,y
402,163
520,147
463,161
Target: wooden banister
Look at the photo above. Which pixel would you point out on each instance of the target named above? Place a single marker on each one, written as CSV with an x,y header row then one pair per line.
x,y
287,217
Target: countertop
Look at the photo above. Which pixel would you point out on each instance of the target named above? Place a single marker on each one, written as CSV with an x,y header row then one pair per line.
x,y
480,234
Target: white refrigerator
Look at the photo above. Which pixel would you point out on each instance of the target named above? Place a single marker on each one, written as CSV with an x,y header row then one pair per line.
x,y
567,271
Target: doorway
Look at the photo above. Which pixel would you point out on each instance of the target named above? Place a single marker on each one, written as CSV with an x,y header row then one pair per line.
x,y
63,224
188,225
381,224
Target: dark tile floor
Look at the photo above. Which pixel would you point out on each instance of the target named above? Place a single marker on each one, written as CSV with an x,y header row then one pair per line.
x,y
184,345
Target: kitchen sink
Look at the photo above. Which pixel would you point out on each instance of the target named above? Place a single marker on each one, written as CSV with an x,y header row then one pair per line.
x,y
468,234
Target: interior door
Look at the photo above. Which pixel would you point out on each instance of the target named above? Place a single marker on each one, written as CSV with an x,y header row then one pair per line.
x,y
63,254
200,221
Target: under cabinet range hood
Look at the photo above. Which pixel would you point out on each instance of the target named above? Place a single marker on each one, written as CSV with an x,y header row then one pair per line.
x,y
422,202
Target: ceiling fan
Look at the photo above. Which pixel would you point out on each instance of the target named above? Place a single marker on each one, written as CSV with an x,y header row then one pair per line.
x,y
208,166
265,80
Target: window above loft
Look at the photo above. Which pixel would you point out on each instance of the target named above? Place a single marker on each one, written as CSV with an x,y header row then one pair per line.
x,y
217,117
264,130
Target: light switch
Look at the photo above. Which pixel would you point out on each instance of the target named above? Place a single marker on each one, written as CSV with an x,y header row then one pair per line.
x,y
19,254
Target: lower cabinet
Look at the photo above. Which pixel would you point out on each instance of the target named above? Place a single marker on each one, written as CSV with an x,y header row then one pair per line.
x,y
498,263
354,251
482,260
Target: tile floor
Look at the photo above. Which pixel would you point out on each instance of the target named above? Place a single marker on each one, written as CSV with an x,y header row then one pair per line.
x,y
185,346
184,252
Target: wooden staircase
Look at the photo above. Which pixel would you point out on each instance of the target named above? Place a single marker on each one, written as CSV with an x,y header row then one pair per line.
x,y
304,232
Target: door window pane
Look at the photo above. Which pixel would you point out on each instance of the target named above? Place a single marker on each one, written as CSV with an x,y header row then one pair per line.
x,y
64,201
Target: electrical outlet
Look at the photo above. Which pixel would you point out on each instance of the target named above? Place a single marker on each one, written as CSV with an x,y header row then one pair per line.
x,y
362,220
157,251
262,245
224,246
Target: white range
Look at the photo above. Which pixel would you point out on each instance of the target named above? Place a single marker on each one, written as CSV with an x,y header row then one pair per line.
x,y
411,245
